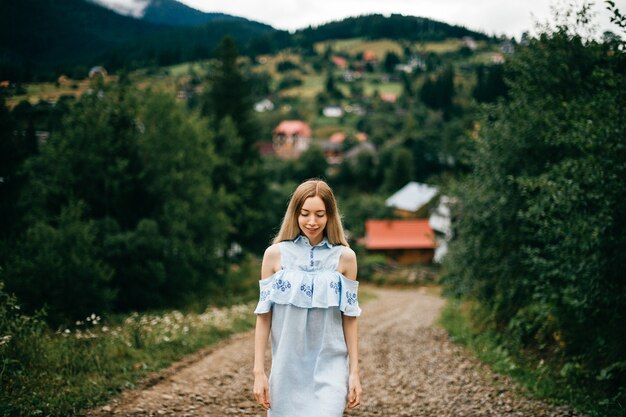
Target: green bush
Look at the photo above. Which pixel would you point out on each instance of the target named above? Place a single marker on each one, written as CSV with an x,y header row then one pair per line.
x,y
371,267
59,267
288,82
121,210
541,226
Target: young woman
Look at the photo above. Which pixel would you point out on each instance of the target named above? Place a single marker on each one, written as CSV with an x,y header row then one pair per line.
x,y
308,301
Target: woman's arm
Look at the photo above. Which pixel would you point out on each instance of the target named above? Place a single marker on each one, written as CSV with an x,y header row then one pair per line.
x,y
348,267
271,264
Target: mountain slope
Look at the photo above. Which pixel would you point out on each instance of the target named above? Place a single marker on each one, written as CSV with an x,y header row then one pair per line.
x,y
171,12
377,26
164,12
52,33
40,39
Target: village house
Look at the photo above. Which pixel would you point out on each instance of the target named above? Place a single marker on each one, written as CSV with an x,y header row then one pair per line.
x,y
370,56
388,97
333,147
406,242
263,105
340,62
441,222
291,138
507,47
97,71
412,200
332,111
364,146
351,76
186,93
497,58
469,42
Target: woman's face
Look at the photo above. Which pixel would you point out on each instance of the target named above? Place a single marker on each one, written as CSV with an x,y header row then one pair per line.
x,y
312,219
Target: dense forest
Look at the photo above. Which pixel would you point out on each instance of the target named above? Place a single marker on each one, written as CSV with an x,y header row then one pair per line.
x,y
134,200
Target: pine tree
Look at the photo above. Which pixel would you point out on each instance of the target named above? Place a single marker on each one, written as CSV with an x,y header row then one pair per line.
x,y
227,103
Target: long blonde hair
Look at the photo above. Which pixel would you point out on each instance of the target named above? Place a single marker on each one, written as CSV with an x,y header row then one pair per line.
x,y
289,228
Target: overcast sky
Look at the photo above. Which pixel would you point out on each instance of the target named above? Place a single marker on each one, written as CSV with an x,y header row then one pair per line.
x,y
509,17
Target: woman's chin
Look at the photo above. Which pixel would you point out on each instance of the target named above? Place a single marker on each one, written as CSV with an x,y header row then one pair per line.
x,y
312,235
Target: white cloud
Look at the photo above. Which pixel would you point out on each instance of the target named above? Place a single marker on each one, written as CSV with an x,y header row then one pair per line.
x,y
133,8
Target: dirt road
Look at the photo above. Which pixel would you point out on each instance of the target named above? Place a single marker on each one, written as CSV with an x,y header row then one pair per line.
x,y
408,368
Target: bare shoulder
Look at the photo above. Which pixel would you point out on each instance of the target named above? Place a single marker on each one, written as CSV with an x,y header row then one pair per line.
x,y
347,263
272,251
271,261
348,254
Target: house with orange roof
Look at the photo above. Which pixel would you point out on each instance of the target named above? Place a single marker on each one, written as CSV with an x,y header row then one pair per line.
x,y
388,97
406,242
291,138
369,56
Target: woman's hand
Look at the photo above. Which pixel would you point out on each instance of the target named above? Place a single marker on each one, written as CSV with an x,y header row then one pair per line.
x,y
354,391
262,390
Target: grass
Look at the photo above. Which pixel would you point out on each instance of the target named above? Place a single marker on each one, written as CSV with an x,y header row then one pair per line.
x,y
36,92
183,68
74,369
439,47
382,46
539,377
312,85
354,46
389,87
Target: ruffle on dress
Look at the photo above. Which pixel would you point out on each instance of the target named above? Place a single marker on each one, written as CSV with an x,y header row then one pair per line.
x,y
307,289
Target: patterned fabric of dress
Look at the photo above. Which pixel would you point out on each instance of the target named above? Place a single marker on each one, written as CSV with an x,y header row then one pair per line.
x,y
309,374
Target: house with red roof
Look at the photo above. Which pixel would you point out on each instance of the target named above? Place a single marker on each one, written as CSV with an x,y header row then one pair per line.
x,y
404,241
291,138
340,62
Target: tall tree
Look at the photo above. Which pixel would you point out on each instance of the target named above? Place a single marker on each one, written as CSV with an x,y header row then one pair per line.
x,y
391,60
400,171
227,103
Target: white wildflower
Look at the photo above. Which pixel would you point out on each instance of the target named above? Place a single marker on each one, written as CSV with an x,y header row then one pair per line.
x,y
5,340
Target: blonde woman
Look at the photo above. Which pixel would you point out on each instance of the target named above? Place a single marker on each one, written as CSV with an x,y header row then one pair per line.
x,y
308,302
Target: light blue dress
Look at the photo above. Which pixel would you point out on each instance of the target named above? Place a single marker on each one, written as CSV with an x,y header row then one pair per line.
x,y
309,375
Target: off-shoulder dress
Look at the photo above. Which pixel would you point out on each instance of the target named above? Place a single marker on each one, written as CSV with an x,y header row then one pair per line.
x,y
307,297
